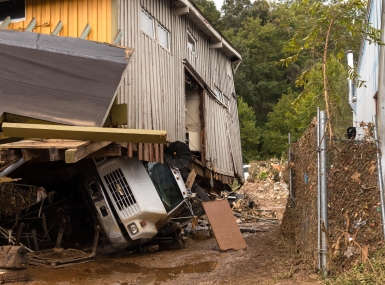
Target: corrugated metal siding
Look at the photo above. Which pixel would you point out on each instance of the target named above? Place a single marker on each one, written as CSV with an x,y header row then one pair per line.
x,y
74,14
154,83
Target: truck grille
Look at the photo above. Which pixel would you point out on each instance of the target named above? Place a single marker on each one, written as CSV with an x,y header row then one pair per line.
x,y
121,193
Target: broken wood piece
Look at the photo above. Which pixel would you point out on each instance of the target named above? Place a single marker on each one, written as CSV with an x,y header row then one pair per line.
x,y
74,155
83,133
190,179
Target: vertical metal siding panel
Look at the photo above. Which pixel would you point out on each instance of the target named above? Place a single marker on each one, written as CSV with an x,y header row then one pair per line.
x,y
65,18
92,16
37,14
108,23
82,16
55,15
72,18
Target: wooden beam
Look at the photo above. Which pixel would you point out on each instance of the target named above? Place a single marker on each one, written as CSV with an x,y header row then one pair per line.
x,y
216,45
57,29
74,155
31,25
85,32
5,23
181,11
84,133
29,154
2,136
107,151
118,37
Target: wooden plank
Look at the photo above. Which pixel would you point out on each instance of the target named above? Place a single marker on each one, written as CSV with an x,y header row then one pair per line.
x,y
225,228
146,153
31,25
29,154
74,155
118,37
161,154
157,158
107,151
53,154
129,150
85,32
57,29
140,151
29,144
5,23
151,153
190,179
84,133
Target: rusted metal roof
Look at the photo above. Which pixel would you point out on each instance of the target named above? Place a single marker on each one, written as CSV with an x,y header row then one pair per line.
x,y
59,79
224,226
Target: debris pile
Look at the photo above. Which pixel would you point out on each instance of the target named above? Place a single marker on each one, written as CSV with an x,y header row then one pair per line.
x,y
14,198
263,170
268,189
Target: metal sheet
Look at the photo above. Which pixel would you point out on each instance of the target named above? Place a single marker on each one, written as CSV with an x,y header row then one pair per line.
x,y
224,226
58,79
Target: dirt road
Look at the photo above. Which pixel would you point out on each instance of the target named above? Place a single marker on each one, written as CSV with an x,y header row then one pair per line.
x,y
268,259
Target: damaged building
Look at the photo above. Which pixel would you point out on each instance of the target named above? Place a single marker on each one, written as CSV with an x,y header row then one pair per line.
x,y
113,112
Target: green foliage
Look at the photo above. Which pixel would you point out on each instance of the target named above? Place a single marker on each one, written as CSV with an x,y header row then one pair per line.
x,y
286,118
330,29
265,32
209,9
250,133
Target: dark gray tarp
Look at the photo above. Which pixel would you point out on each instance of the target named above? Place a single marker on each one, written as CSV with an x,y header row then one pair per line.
x,y
58,79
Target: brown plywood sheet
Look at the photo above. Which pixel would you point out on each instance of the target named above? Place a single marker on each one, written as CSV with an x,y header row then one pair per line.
x,y
224,226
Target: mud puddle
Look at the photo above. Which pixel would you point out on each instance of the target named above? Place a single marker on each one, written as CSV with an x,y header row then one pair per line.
x,y
99,271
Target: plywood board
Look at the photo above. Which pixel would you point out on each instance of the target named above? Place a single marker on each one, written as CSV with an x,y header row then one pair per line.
x,y
224,226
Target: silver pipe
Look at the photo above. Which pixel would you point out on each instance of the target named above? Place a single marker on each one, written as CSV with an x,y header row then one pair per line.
x,y
12,167
379,173
324,194
290,177
318,190
349,55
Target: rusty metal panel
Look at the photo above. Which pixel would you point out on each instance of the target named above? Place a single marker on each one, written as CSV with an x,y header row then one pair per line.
x,y
224,226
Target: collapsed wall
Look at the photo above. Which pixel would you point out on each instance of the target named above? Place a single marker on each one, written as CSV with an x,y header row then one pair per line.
x,y
354,210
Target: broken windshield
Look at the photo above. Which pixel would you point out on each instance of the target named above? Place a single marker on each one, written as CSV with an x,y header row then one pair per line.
x,y
165,183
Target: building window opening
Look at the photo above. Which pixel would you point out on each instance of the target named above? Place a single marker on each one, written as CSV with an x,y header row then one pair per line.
x,y
147,23
12,8
191,44
164,37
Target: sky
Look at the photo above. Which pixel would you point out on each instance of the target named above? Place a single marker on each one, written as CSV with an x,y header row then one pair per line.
x,y
218,3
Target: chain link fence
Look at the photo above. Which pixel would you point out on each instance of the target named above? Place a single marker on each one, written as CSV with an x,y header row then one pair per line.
x,y
354,209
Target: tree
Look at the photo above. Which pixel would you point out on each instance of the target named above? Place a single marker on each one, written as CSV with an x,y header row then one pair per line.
x,y
331,29
209,9
250,133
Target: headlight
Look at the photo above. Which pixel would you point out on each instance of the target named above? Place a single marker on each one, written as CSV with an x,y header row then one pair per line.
x,y
133,229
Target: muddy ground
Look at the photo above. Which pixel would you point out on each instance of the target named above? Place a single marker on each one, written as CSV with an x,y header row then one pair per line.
x,y
268,259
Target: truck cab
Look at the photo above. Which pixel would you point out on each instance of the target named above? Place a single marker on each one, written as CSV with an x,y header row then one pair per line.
x,y
134,197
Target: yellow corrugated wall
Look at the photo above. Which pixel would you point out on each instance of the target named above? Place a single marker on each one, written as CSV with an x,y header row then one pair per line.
x,y
74,14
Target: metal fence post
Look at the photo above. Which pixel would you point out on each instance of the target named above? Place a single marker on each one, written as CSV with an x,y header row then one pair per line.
x,y
379,173
318,191
323,192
